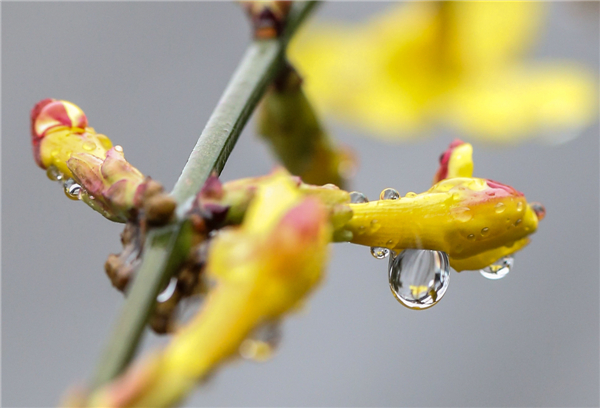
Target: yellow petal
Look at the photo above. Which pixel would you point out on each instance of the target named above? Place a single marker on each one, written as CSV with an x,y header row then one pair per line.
x,y
509,104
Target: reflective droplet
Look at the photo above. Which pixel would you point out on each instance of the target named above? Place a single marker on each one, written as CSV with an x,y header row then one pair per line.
x,y
462,214
262,342
72,189
389,194
89,146
411,194
519,206
374,226
539,210
517,222
168,292
119,148
498,269
500,207
54,174
484,231
390,242
471,236
419,277
357,197
379,252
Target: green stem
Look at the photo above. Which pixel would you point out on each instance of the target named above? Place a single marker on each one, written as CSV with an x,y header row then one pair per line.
x,y
166,247
258,68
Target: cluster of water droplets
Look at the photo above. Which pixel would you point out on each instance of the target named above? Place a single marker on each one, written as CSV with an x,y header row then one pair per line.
x,y
419,278
72,190
262,343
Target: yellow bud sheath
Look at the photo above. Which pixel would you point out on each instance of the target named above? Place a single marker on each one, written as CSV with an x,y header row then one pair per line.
x,y
463,217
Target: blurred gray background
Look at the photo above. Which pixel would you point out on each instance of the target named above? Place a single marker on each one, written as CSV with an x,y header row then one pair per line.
x,y
148,75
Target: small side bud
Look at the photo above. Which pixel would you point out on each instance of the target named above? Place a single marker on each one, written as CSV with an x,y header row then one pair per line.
x,y
267,17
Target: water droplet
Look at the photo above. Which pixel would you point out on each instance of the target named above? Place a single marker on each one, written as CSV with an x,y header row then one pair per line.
x,y
462,214
54,174
389,194
500,207
419,277
357,197
119,148
498,269
262,342
374,226
411,194
471,236
484,231
168,291
390,242
72,189
517,222
379,252
519,206
539,210
89,146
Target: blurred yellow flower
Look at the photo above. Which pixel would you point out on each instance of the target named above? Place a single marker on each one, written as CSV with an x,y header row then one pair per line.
x,y
455,63
261,270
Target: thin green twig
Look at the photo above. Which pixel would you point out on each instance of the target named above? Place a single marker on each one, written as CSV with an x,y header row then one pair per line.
x,y
165,247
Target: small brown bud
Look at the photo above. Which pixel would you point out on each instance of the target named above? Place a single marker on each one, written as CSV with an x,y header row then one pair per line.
x,y
159,209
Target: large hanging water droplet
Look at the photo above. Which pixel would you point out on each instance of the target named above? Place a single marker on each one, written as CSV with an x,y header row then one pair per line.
x,y
379,252
357,197
419,277
72,189
168,291
498,269
389,194
54,174
262,343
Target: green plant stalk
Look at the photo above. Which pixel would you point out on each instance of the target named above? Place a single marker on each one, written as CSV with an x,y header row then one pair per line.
x,y
165,247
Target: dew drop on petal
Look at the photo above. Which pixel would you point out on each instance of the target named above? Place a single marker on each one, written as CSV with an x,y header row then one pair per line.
x,y
374,226
54,174
72,189
419,277
498,269
462,214
168,291
519,206
356,197
471,236
119,148
262,343
411,194
379,252
500,207
389,194
484,231
89,146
